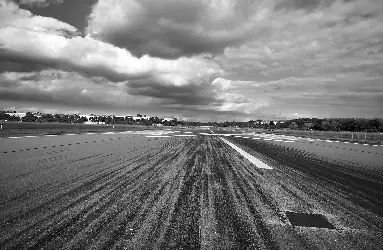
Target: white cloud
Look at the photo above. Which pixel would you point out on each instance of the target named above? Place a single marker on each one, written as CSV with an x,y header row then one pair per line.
x,y
12,16
233,57
169,83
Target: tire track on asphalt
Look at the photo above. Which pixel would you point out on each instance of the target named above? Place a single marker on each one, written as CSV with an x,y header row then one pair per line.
x,y
74,191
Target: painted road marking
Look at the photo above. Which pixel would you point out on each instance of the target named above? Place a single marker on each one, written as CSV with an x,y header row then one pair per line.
x,y
365,144
289,141
188,132
252,159
375,145
246,137
346,142
50,135
267,139
69,134
204,134
157,136
278,140
256,138
185,135
30,136
237,136
108,133
14,137
89,133
356,143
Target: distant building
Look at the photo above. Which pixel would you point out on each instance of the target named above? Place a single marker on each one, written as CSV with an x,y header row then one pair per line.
x,y
20,115
138,118
169,119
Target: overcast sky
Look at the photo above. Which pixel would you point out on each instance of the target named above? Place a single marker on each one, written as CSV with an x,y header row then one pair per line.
x,y
196,59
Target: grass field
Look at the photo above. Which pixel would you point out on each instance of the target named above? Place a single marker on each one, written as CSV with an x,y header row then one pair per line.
x,y
34,128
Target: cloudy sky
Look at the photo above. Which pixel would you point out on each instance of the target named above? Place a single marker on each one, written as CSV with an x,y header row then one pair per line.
x,y
196,59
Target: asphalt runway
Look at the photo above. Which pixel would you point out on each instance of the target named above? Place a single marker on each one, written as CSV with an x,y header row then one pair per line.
x,y
187,190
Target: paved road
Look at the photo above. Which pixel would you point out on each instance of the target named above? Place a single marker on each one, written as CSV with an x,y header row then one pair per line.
x,y
136,192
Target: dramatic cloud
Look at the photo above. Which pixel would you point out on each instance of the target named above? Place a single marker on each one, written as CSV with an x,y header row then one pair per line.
x,y
39,3
12,16
173,28
172,84
220,59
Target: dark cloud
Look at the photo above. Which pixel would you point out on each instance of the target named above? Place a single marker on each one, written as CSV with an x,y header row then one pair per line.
x,y
73,12
173,28
307,5
39,3
189,94
23,62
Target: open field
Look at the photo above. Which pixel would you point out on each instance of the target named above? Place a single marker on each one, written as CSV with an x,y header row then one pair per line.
x,y
165,189
35,128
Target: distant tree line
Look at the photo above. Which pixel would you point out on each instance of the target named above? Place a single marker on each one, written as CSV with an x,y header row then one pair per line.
x,y
30,117
326,124
317,124
5,116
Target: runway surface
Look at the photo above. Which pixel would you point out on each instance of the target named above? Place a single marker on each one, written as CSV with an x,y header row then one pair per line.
x,y
187,190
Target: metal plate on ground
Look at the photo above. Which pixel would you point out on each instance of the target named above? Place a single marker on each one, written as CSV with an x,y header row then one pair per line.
x,y
309,220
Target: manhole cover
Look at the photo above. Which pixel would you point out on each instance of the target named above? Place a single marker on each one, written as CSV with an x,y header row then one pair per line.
x,y
309,220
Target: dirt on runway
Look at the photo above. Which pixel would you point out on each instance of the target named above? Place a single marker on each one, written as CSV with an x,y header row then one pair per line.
x,y
133,192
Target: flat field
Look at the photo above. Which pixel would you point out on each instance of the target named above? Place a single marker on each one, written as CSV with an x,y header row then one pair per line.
x,y
186,190
35,128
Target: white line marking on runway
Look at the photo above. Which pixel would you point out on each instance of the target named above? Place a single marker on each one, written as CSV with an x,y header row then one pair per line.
x,y
185,135
157,136
89,133
278,140
288,141
267,139
252,159
69,134
108,133
346,142
14,137
365,144
356,143
246,137
50,135
30,136
188,132
375,145
255,138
